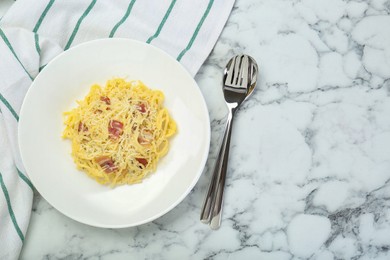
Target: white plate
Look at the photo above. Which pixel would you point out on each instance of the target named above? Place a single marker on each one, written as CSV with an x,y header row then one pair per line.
x,y
46,156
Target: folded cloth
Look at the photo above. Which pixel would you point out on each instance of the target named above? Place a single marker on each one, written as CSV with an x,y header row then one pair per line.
x,y
4,6
34,32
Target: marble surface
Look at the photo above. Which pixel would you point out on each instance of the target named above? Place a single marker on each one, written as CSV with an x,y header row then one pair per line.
x,y
309,165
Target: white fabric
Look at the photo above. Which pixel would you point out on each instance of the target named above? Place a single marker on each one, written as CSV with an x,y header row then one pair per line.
x,y
4,6
34,32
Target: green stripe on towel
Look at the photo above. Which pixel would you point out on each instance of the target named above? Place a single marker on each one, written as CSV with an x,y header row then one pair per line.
x,y
10,210
156,34
5,39
76,28
47,8
25,179
37,47
42,67
8,105
124,18
189,45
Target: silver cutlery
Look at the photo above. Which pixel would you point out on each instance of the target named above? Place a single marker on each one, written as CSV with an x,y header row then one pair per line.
x,y
239,81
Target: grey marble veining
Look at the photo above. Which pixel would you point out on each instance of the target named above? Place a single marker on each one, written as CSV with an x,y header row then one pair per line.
x,y
309,165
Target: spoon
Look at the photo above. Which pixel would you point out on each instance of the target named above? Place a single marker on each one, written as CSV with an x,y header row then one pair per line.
x,y
240,78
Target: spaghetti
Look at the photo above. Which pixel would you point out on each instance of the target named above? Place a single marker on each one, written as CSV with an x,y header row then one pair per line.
x,y
119,132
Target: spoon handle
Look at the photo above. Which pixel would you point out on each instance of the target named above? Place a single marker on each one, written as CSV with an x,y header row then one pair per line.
x,y
212,207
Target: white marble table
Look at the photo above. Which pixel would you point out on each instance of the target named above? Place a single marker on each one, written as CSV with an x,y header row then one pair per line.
x,y
310,160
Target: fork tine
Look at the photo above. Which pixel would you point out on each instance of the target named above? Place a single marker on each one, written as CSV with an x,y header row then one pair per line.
x,y
233,71
244,71
237,65
229,73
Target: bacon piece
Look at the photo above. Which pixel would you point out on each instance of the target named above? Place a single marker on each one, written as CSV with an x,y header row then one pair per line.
x,y
105,100
142,161
106,163
141,107
82,127
115,128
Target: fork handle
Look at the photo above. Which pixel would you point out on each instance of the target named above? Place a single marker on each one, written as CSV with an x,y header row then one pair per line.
x,y
212,207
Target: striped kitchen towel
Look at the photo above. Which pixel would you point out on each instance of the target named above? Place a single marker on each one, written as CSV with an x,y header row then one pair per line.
x,y
33,32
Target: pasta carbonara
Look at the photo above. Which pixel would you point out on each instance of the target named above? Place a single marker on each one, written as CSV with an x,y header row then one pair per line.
x,y
119,132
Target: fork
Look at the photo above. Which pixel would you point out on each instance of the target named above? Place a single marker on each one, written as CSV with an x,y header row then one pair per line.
x,y
240,78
